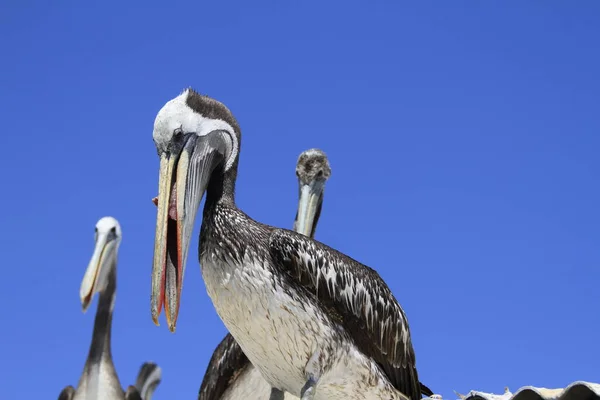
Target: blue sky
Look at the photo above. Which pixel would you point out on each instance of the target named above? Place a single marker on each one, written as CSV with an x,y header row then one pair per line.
x,y
463,139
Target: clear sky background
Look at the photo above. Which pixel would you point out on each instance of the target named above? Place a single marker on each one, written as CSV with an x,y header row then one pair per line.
x,y
463,137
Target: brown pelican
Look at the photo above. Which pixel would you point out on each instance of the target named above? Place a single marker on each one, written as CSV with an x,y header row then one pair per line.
x,y
315,322
99,379
230,375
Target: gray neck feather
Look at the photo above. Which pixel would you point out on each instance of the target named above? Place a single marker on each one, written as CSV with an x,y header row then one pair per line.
x,y
100,347
221,187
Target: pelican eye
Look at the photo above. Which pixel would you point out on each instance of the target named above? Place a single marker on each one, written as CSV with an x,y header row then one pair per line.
x,y
176,143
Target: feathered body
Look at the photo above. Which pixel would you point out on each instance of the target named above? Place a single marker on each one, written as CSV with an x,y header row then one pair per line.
x,y
99,379
297,332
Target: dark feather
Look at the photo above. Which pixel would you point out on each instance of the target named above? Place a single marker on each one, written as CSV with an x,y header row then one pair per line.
x,y
67,393
226,363
425,391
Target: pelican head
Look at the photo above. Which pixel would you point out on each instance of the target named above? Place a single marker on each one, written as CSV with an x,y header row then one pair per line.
x,y
104,259
312,171
197,138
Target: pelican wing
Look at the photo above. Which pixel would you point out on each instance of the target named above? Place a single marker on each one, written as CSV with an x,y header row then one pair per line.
x,y
132,393
361,301
224,366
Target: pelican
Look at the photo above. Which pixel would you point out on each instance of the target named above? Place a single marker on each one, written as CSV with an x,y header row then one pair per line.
x,y
316,323
230,375
99,380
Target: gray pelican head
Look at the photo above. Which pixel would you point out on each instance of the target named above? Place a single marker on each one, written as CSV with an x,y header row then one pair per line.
x,y
195,136
104,259
312,171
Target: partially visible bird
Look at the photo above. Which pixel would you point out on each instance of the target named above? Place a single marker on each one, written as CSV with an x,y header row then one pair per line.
x,y
99,380
229,374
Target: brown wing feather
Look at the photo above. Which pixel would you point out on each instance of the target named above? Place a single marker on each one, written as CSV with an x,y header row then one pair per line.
x,y
363,302
227,361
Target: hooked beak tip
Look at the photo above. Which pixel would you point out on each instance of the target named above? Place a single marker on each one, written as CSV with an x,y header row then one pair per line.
x,y
155,312
86,300
171,322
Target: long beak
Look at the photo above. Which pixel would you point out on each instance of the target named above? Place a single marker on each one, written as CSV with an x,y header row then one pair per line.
x,y
183,179
309,207
96,275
